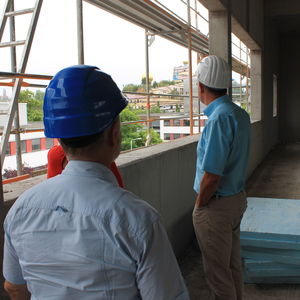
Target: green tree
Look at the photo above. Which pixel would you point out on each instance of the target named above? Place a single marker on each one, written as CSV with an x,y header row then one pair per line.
x,y
129,132
39,95
134,134
155,109
166,83
25,96
34,106
131,87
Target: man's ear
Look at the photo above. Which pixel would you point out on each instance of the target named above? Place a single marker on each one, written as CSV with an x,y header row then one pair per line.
x,y
114,133
201,87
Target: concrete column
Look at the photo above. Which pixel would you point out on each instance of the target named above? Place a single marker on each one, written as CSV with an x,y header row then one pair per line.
x,y
220,35
256,85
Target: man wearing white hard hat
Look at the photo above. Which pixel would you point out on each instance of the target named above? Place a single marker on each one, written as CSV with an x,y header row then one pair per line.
x,y
222,158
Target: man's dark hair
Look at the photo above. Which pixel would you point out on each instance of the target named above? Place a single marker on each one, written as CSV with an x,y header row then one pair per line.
x,y
80,144
216,92
76,145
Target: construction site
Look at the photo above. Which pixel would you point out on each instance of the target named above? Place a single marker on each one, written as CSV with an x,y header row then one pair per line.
x,y
259,40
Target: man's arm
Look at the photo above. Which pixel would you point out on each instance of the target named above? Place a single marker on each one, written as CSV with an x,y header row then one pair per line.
x,y
17,291
158,275
208,186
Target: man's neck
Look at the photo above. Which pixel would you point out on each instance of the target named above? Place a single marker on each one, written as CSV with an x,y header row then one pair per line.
x,y
211,98
106,161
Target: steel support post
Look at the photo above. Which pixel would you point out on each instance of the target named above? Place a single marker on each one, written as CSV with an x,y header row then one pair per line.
x,y
80,42
190,69
148,140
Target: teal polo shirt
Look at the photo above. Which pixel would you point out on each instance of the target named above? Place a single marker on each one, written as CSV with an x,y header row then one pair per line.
x,y
224,146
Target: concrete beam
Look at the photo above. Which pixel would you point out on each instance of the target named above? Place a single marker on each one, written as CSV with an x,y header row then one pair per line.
x,y
212,5
256,85
275,8
243,35
220,35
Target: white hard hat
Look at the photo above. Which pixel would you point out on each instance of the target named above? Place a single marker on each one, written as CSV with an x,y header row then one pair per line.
x,y
214,72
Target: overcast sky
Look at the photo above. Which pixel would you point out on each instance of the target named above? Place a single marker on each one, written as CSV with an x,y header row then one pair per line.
x,y
111,43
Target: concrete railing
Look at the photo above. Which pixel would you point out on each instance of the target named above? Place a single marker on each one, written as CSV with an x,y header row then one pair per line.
x,y
162,175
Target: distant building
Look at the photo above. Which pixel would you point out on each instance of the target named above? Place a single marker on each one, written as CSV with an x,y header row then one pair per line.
x,y
4,106
4,97
171,129
181,72
34,148
178,87
198,106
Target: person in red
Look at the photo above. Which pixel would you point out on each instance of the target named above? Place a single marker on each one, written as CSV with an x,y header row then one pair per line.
x,y
57,161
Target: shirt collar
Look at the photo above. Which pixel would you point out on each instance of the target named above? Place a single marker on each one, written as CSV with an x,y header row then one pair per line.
x,y
89,169
213,105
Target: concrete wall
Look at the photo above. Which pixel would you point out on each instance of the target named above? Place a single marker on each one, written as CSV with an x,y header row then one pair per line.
x,y
270,67
163,175
249,24
250,14
289,91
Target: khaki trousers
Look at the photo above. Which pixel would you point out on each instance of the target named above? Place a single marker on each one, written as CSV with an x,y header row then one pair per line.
x,y
217,228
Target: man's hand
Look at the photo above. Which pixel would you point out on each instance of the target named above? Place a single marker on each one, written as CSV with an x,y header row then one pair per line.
x,y
208,187
17,291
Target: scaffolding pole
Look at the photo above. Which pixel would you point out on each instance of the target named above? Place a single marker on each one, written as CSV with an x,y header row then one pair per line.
x,y
241,75
80,42
14,69
148,139
247,86
190,69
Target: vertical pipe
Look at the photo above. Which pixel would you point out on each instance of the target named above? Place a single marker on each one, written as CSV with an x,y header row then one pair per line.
x,y
190,68
14,69
148,139
80,43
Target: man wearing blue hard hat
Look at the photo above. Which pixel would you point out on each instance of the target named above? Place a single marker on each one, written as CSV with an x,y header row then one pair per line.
x,y
79,235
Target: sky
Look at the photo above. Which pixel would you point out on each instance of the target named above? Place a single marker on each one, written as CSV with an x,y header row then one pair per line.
x,y
111,43
114,45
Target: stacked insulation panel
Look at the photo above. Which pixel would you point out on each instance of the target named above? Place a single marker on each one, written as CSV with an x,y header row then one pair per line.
x,y
270,241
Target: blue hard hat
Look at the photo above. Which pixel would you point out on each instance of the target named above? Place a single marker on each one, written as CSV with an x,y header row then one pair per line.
x,y
81,100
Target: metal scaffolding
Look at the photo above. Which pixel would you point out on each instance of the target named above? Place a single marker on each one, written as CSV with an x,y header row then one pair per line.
x,y
153,15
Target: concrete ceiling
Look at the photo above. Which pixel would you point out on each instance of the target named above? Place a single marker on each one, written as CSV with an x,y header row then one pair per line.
x,y
285,15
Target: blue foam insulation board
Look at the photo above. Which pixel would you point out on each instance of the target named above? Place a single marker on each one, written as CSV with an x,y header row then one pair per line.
x,y
270,241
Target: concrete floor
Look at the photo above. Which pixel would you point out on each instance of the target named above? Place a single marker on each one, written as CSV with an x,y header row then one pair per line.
x,y
277,177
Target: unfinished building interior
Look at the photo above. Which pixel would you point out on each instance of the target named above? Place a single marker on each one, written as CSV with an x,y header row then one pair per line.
x,y
163,174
